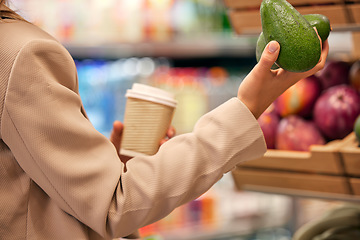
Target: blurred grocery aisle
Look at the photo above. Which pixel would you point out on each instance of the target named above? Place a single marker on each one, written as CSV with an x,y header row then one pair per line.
x,y
186,47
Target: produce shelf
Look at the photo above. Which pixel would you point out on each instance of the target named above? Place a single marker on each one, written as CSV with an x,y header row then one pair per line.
x,y
180,47
291,180
350,153
343,15
303,193
326,170
243,4
323,159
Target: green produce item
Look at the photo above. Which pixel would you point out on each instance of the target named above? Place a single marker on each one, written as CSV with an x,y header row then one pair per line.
x,y
260,46
321,23
300,46
340,233
357,128
347,216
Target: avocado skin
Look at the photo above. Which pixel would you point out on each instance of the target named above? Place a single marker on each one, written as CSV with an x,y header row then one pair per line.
x,y
260,46
321,23
300,47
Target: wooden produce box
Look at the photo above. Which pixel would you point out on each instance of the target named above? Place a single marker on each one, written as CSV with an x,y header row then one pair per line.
x,y
245,15
350,153
319,170
355,185
247,177
355,12
245,4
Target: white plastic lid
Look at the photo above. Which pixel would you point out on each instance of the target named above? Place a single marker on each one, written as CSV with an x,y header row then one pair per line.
x,y
152,94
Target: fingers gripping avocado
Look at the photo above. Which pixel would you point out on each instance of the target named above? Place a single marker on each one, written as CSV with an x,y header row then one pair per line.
x,y
260,46
321,23
300,46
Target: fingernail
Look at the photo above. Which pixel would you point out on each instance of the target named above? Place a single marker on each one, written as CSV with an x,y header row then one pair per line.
x,y
273,47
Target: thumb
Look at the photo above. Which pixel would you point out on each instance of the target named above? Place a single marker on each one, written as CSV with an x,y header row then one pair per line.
x,y
269,55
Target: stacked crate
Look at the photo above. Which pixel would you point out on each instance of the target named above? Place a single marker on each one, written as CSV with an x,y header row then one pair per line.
x,y
343,15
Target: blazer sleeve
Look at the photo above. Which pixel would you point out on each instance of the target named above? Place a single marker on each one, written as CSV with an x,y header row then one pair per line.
x,y
45,127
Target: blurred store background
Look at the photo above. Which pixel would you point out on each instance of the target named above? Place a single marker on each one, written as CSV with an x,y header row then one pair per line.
x,y
186,47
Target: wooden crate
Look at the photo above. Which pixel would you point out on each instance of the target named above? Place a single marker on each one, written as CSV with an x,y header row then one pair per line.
x,y
350,153
249,21
247,177
319,170
322,159
355,185
241,4
355,12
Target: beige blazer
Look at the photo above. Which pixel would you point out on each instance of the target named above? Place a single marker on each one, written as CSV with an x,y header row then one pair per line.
x,y
61,179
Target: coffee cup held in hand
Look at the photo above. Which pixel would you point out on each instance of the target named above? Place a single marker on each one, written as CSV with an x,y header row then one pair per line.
x,y
148,115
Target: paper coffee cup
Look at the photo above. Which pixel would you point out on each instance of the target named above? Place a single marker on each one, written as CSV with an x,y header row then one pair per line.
x,y
148,115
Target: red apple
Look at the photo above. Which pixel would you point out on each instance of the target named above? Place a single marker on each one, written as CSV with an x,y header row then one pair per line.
x,y
355,75
269,122
297,134
334,73
336,110
300,98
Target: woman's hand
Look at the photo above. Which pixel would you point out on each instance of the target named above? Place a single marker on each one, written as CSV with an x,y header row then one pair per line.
x,y
117,131
262,85
116,135
169,134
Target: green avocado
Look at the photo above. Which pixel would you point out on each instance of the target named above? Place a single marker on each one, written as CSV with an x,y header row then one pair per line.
x,y
321,23
300,47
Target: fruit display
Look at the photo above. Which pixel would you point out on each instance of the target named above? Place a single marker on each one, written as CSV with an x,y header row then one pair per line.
x,y
298,134
336,110
300,98
319,108
355,75
332,112
334,73
269,122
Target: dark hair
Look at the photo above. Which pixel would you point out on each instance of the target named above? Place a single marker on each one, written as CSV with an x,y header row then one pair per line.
x,y
7,13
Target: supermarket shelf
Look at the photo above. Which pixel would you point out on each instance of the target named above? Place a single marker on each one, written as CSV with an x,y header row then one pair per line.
x,y
238,228
231,46
182,47
302,193
347,28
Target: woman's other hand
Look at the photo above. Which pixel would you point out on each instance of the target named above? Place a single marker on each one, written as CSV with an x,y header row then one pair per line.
x,y
117,131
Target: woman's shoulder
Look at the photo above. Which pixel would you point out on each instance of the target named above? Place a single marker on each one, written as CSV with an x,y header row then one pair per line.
x,y
14,34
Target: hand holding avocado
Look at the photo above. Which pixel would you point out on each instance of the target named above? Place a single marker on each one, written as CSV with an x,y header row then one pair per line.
x,y
300,43
263,85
